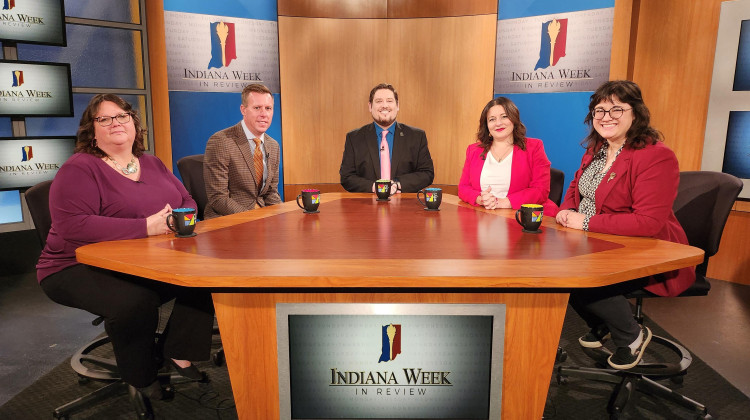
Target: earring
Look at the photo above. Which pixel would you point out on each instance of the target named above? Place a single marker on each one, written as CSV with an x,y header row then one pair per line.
x,y
94,143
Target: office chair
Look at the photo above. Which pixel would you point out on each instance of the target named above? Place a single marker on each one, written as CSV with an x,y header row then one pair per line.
x,y
191,171
704,200
88,362
556,185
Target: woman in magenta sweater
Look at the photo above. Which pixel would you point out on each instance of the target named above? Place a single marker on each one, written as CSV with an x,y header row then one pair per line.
x,y
504,168
110,190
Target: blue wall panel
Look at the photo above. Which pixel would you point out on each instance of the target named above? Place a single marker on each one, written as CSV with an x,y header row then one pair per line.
x,y
555,118
247,9
512,9
195,116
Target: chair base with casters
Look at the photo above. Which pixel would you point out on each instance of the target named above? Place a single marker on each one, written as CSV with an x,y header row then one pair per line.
x,y
89,365
640,378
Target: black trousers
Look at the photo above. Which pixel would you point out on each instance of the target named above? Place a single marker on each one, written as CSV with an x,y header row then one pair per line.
x,y
130,307
607,306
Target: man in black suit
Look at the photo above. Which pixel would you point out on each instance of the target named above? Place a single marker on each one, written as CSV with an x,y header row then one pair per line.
x,y
386,149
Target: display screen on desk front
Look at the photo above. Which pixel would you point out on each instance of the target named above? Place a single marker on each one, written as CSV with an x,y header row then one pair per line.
x,y
35,89
381,361
36,22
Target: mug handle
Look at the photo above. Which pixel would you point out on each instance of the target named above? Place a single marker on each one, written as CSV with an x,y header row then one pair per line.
x,y
298,204
170,225
517,220
420,201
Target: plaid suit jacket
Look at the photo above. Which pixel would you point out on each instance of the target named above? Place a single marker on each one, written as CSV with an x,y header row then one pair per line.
x,y
230,179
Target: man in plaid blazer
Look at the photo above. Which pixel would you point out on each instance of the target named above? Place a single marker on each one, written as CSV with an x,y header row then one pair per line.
x,y
232,167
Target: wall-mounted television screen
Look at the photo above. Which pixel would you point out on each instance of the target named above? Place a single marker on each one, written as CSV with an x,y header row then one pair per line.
x,y
27,161
33,22
390,361
32,89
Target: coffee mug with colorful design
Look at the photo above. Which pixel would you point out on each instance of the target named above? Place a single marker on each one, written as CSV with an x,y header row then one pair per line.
x,y
182,222
310,200
529,216
432,198
383,189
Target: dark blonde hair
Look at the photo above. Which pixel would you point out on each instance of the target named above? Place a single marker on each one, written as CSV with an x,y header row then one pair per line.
x,y
511,110
640,133
254,87
86,137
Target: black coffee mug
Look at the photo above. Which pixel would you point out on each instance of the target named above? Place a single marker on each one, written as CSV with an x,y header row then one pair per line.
x,y
383,189
182,222
432,198
529,216
310,201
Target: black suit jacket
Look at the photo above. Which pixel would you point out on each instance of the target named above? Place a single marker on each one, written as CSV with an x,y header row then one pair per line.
x,y
411,164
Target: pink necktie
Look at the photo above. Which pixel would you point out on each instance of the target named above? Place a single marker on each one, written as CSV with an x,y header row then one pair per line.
x,y
385,157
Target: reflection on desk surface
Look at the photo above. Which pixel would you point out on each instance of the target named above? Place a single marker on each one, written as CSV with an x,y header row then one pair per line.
x,y
360,228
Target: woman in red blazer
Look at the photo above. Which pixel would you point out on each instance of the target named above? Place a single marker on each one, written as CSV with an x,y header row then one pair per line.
x,y
626,185
504,168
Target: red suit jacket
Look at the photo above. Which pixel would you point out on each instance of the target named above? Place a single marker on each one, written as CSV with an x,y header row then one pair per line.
x,y
635,198
529,180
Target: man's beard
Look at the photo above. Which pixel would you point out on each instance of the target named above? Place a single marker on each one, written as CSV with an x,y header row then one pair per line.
x,y
384,121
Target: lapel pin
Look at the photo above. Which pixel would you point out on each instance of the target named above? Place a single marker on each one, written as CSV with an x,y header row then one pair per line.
x,y
611,176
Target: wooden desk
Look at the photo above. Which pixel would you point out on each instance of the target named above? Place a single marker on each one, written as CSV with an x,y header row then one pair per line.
x,y
360,250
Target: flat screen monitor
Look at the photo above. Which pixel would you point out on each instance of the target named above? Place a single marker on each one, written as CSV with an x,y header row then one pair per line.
x,y
32,89
727,136
10,207
390,361
33,22
27,161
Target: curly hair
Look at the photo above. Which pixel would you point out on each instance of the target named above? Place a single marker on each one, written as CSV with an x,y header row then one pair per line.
x,y
86,137
640,133
511,110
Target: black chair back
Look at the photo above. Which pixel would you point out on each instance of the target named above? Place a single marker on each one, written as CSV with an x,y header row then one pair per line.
x,y
191,171
556,185
37,198
704,200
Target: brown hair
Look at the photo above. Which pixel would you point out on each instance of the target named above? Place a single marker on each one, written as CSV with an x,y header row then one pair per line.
x,y
86,140
640,133
384,86
253,87
511,110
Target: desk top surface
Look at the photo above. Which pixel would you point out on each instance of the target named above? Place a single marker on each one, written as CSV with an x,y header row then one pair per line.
x,y
356,241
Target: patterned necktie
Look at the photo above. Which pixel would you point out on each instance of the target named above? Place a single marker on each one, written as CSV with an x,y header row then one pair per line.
x,y
385,157
258,163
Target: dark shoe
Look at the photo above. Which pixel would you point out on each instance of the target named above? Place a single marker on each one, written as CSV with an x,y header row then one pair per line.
x,y
156,392
591,341
625,357
190,372
595,338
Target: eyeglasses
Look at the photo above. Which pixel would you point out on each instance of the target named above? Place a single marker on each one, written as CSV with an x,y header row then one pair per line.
x,y
615,112
107,121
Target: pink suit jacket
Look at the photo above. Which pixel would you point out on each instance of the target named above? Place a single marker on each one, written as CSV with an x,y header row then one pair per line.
x,y
529,180
635,198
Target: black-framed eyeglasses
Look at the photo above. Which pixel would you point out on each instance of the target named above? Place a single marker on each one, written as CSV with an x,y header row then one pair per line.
x,y
107,121
615,112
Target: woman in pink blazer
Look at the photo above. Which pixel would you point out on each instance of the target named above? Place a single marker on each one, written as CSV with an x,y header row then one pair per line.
x,y
504,168
626,185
